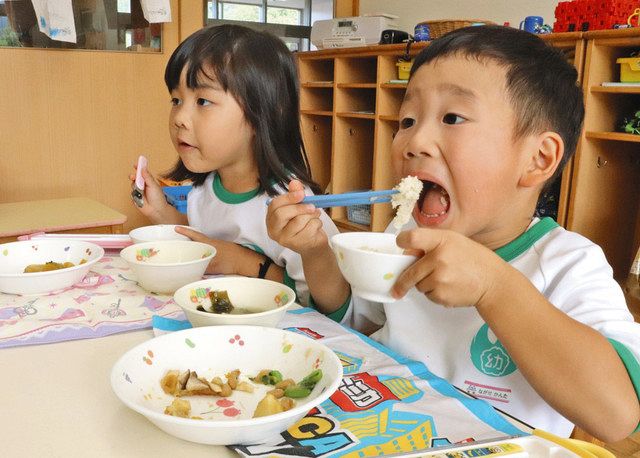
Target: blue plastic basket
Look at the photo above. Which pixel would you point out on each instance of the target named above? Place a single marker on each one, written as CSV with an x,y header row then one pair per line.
x,y
177,196
359,214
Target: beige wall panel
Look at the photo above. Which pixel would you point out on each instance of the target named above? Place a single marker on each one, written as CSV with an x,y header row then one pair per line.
x,y
72,122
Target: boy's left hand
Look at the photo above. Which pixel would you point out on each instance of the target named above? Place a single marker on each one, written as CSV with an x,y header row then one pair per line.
x,y
453,270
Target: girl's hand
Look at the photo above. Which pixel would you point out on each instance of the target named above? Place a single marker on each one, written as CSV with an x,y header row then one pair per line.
x,y
230,258
453,271
155,207
295,225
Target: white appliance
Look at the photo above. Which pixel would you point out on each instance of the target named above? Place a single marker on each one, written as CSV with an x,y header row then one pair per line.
x,y
350,31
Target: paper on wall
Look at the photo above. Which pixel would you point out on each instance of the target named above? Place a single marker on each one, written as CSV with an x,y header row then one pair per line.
x,y
55,19
156,10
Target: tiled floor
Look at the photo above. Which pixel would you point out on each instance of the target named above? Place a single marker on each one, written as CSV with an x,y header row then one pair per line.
x,y
628,448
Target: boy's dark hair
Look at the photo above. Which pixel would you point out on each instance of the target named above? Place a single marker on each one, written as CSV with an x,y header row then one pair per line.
x,y
541,84
258,70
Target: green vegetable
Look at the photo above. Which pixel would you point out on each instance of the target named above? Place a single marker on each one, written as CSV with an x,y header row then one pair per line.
x,y
272,378
297,391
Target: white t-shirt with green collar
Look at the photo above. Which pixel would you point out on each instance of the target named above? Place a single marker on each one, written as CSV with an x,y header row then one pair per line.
x,y
240,218
456,344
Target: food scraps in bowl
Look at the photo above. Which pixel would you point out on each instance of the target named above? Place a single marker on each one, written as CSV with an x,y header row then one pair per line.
x,y
220,303
50,265
277,400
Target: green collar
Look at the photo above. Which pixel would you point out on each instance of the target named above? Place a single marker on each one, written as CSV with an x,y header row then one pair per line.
x,y
229,197
518,246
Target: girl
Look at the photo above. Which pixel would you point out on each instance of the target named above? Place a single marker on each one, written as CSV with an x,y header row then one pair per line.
x,y
235,124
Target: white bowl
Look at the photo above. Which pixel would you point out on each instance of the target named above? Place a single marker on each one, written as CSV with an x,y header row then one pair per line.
x,y
157,232
15,256
164,266
371,262
266,300
214,351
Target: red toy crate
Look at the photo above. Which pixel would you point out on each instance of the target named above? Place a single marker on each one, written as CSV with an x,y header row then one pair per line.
x,y
583,15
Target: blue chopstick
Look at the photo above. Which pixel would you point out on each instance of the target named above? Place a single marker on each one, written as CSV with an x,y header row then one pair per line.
x,y
348,198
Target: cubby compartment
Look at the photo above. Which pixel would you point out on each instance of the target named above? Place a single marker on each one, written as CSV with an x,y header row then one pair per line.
x,y
356,101
316,99
356,70
317,134
390,100
383,172
318,71
352,164
605,191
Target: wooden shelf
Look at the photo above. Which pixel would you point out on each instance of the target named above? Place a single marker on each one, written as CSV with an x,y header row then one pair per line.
x,y
389,118
402,86
345,224
357,85
317,112
616,89
613,136
318,84
352,114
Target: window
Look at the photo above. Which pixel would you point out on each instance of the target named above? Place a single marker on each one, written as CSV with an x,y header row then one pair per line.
x,y
107,24
290,20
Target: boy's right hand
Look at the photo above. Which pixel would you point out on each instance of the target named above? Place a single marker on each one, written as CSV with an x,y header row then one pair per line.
x,y
155,206
295,225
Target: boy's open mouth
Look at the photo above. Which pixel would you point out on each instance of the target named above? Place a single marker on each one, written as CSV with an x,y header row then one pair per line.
x,y
433,203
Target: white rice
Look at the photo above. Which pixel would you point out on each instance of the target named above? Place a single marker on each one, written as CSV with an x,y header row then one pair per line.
x,y
409,192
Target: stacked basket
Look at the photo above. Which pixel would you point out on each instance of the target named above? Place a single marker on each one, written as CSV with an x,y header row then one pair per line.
x,y
441,27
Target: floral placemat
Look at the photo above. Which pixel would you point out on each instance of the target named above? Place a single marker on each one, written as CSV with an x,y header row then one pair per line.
x,y
107,301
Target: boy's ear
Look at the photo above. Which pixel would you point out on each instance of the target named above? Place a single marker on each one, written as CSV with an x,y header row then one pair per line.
x,y
548,149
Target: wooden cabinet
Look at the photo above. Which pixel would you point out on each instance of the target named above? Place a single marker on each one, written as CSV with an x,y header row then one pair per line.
x,y
605,189
350,116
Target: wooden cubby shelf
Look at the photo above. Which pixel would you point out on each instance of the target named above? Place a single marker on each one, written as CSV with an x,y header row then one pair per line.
x,y
616,89
614,136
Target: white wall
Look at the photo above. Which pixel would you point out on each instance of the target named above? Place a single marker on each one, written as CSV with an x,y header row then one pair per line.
x,y
499,11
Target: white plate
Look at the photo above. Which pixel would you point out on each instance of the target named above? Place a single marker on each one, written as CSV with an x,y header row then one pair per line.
x,y
214,351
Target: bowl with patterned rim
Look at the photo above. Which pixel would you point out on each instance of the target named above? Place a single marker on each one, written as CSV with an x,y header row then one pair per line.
x,y
254,301
166,265
143,380
371,262
15,257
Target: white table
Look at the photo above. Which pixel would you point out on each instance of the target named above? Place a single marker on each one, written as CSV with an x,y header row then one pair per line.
x,y
57,402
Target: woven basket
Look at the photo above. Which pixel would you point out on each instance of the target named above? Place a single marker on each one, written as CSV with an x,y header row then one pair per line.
x,y
439,28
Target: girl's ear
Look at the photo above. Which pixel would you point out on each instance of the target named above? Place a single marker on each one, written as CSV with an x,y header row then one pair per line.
x,y
542,163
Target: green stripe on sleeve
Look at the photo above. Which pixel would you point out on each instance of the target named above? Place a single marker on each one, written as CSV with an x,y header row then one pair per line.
x,y
336,315
290,282
631,364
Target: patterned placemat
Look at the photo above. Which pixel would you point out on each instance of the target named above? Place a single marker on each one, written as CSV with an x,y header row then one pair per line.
x,y
107,301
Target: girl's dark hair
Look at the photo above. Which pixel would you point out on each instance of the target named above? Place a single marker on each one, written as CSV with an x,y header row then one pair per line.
x,y
258,70
542,85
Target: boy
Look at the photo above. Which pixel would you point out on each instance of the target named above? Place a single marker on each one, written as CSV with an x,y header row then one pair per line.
x,y
508,307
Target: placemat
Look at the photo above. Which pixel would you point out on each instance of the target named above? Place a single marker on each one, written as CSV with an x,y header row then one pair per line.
x,y
107,301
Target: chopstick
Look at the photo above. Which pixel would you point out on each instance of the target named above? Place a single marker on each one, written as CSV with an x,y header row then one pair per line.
x,y
113,241
349,198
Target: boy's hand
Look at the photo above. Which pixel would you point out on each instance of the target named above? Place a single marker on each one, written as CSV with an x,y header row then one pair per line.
x,y
229,255
155,205
294,225
453,271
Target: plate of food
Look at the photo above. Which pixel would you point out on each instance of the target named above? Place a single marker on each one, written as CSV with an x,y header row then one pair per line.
x,y
226,384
